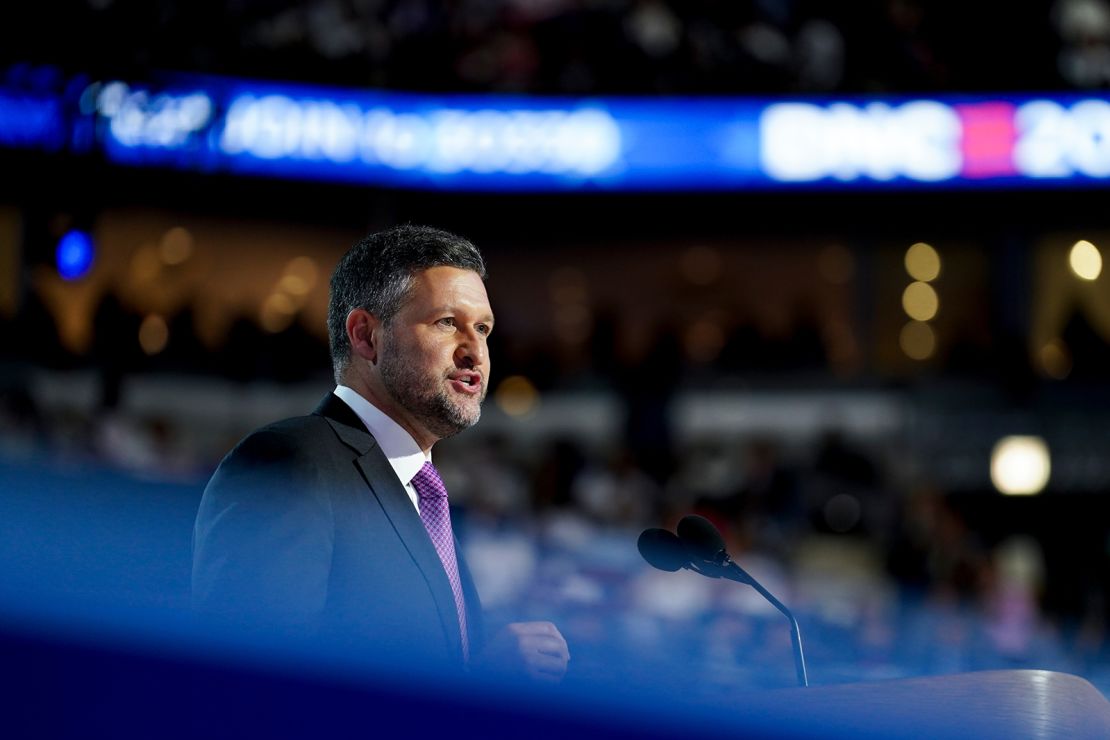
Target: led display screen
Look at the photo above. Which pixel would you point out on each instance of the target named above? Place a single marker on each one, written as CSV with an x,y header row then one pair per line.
x,y
556,144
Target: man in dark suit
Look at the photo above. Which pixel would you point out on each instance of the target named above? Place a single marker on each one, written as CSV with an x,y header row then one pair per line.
x,y
336,523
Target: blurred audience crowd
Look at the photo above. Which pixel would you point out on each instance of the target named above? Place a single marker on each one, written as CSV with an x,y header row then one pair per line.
x,y
887,578
586,46
886,574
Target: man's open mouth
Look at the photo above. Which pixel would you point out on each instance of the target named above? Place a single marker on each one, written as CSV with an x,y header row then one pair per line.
x,y
470,381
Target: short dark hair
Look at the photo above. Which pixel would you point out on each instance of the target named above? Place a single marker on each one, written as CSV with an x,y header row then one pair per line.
x,y
376,274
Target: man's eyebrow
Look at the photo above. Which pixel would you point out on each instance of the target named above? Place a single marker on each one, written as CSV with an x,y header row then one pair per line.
x,y
452,309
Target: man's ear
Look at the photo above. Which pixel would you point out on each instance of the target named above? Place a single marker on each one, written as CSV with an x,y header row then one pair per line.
x,y
363,332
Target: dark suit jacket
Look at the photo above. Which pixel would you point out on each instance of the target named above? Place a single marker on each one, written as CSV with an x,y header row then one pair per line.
x,y
305,526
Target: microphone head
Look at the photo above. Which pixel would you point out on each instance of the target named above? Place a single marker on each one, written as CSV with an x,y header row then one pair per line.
x,y
662,549
700,537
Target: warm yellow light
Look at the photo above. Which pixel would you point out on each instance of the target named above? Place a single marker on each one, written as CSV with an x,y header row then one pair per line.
x,y
153,334
1020,465
516,396
300,276
917,340
176,246
920,301
922,262
277,312
1085,260
294,285
1055,359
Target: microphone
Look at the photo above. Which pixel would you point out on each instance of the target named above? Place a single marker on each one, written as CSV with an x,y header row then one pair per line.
x,y
706,544
701,537
663,550
699,547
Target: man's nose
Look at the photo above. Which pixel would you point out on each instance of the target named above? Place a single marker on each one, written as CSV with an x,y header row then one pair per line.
x,y
472,350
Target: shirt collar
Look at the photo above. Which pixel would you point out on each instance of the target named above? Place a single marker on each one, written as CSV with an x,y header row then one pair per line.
x,y
404,455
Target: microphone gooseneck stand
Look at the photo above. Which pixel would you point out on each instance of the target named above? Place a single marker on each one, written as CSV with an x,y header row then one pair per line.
x,y
699,547
723,566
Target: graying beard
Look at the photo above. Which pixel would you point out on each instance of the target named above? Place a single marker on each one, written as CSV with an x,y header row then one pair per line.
x,y
450,420
435,410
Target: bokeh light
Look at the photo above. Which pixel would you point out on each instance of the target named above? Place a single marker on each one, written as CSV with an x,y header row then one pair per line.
x,y
176,246
917,340
1055,359
74,254
920,301
153,334
922,262
1085,260
277,312
300,276
1020,465
517,396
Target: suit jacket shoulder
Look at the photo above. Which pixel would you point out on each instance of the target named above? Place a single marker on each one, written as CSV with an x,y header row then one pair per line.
x,y
305,525
265,529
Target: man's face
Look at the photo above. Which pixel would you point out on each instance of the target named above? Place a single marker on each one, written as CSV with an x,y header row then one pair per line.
x,y
434,361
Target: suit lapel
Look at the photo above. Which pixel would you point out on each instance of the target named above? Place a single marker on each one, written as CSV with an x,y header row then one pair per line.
x,y
395,502
382,480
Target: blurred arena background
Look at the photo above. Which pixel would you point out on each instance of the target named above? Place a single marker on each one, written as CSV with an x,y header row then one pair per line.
x,y
890,391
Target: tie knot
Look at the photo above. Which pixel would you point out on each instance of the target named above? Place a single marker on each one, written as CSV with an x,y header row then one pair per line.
x,y
428,484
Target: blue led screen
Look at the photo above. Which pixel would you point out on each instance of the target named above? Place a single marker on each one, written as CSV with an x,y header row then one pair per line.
x,y
559,144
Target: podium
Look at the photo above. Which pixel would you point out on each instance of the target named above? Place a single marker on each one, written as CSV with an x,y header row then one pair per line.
x,y
991,704
54,687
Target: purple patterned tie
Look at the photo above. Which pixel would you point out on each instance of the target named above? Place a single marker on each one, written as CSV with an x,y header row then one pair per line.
x,y
436,516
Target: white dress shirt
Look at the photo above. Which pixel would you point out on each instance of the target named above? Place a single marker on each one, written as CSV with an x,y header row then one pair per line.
x,y
399,447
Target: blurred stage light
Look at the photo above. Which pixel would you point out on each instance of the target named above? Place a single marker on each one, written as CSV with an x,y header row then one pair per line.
x,y
922,262
74,254
1020,465
516,396
920,301
917,340
153,334
1085,260
299,277
1055,359
277,312
176,246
